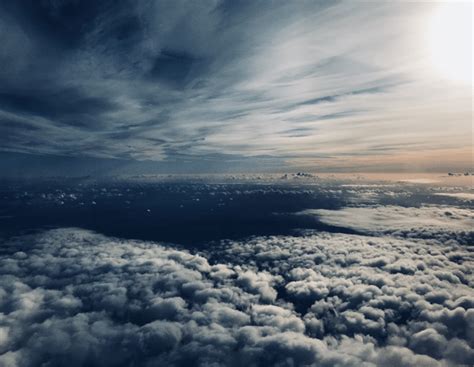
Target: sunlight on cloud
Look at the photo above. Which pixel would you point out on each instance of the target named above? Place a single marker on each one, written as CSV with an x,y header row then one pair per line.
x,y
450,40
288,81
426,221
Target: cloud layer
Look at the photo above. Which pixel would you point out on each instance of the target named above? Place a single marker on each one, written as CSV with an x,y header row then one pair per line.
x,y
443,223
234,81
70,296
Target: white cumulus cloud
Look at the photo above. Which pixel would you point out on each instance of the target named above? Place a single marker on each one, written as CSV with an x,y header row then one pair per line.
x,y
73,297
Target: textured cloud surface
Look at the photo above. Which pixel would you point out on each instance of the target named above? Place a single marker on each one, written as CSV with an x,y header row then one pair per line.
x,y
332,84
73,297
426,221
467,196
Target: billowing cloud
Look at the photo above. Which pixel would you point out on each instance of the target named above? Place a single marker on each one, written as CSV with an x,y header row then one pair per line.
x,y
70,296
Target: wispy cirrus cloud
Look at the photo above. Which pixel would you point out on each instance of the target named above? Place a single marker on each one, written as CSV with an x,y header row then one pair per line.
x,y
306,83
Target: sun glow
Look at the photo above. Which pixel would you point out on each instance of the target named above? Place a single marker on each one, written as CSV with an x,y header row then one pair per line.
x,y
450,40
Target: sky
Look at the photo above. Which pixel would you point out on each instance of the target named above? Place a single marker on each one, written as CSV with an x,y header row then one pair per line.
x,y
234,86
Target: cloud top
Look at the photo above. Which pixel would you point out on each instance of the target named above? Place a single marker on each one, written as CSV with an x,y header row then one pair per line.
x,y
423,222
74,297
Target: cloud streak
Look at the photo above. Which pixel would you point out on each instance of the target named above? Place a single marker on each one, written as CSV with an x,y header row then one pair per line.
x,y
289,81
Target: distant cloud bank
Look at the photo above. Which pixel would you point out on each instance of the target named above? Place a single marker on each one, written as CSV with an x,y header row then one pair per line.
x,y
424,222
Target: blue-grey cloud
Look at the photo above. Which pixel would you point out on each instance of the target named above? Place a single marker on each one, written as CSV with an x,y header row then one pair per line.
x,y
72,296
154,80
391,285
